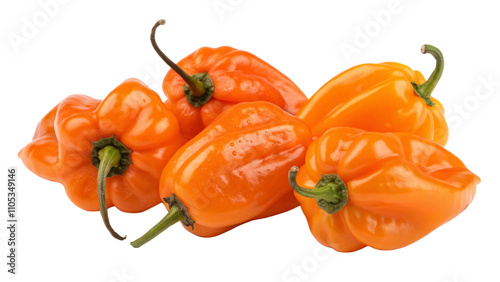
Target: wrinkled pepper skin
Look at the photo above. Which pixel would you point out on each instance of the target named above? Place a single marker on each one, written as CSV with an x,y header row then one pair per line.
x,y
400,187
377,97
234,171
63,141
238,76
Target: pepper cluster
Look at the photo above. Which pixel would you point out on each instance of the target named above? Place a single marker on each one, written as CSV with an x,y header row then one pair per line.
x,y
226,145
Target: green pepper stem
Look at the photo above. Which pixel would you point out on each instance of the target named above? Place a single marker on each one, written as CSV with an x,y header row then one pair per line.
x,y
172,217
197,87
330,192
425,89
109,157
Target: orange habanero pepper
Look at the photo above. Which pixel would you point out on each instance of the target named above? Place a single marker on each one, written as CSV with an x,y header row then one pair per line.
x,y
128,137
210,80
384,190
234,171
386,97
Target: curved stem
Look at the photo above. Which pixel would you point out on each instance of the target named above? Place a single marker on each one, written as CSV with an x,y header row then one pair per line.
x,y
109,157
197,87
330,192
172,217
425,89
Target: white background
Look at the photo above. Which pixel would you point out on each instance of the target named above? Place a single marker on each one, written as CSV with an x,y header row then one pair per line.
x,y
89,47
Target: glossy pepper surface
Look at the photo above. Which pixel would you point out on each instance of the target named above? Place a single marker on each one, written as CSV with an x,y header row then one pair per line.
x,y
234,171
384,190
386,97
128,137
210,80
